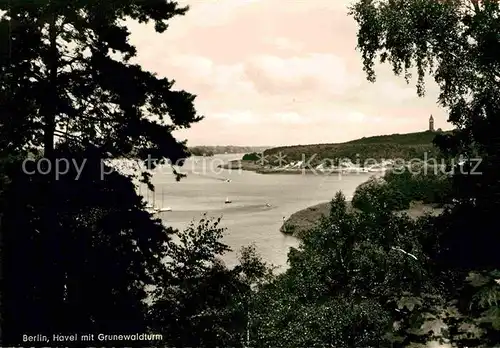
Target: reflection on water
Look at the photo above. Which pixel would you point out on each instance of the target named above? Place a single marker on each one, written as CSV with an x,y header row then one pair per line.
x,y
258,201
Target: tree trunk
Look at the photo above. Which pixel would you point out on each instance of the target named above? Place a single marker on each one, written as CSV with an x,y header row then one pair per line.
x,y
55,237
51,109
1,281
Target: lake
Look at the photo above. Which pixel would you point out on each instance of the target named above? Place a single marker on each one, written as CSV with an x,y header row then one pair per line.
x,y
248,219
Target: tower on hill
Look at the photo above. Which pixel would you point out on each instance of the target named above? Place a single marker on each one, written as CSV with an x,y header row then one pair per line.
x,y
431,124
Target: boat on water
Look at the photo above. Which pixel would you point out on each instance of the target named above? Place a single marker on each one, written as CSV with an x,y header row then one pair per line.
x,y
227,201
156,210
268,205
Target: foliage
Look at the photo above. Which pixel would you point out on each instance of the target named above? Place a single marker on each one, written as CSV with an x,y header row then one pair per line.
x,y
88,271
479,307
418,138
253,269
397,146
213,150
97,267
253,156
427,185
373,192
79,251
457,44
203,303
86,249
301,221
345,281
81,86
180,311
196,151
288,228
402,186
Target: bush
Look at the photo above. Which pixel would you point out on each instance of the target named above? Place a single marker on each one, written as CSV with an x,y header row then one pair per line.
x,y
398,189
378,192
288,228
427,187
254,156
345,281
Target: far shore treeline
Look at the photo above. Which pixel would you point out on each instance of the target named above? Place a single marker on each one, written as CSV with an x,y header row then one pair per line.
x,y
403,146
218,150
419,145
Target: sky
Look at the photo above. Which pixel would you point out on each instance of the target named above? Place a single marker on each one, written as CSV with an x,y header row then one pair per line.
x,y
279,72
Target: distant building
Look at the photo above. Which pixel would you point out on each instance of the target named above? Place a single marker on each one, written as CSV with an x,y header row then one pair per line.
x,y
431,124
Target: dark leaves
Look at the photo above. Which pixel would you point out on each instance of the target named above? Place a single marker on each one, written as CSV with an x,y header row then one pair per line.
x,y
94,264
461,40
99,98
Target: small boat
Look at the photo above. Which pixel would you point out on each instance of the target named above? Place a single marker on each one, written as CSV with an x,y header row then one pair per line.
x,y
268,205
227,200
165,209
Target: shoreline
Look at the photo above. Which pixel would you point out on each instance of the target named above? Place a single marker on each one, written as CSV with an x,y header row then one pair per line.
x,y
305,219
299,171
260,169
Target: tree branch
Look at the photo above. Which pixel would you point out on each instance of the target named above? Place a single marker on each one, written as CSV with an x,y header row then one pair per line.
x,y
404,252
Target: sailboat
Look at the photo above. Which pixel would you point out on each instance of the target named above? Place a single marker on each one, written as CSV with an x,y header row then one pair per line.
x,y
163,209
155,207
149,206
227,200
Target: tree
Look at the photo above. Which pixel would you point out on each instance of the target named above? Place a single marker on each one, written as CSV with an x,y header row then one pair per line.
x,y
347,282
253,156
108,260
84,244
457,43
88,274
71,62
203,303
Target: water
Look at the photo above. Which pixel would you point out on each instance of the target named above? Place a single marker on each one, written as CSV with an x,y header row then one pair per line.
x,y
247,219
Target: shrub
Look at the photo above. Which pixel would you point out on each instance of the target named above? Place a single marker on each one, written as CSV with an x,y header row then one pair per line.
x,y
427,187
377,192
254,156
288,228
398,189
